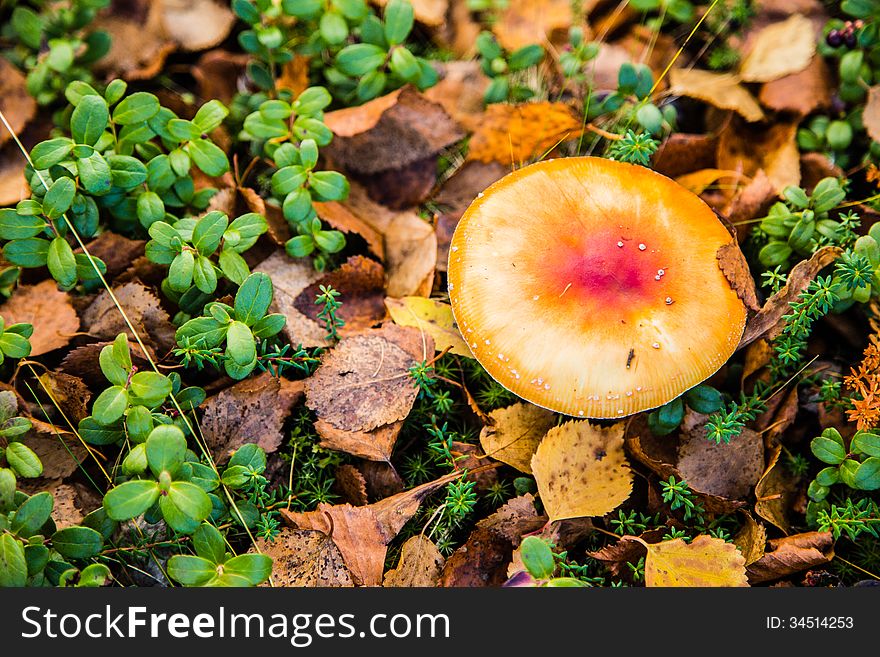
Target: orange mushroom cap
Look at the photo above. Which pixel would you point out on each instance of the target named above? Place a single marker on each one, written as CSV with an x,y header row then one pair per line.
x,y
591,287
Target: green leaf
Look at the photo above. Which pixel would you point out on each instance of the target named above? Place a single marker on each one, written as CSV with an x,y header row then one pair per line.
x,y
865,442
190,570
703,399
14,345
260,127
32,514
37,556
16,426
14,226
150,209
525,57
328,185
867,476
130,499
138,423
210,115
208,157
398,21
94,575
359,59
13,566
827,450
115,91
250,456
135,462
537,557
166,449
209,544
48,153
127,172
269,325
62,263
59,198
312,101
209,231
204,275
299,246
333,28
114,370
61,55
183,130
110,405
233,266
137,108
236,476
253,298
7,489
329,241
249,227
255,568
302,8
240,345
94,174
28,25
150,386
97,434
32,252
404,64
190,500
89,119
23,460
77,542
288,179
180,273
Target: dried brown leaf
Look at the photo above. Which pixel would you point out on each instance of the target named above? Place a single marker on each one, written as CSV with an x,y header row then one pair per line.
x,y
871,114
460,92
748,148
792,554
50,312
515,433
197,24
775,491
420,565
304,558
532,21
103,320
780,49
721,90
802,92
751,539
733,263
17,105
69,392
375,445
728,471
350,484
429,12
290,278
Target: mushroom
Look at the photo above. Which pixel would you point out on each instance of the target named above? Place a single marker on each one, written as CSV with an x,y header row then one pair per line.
x,y
591,287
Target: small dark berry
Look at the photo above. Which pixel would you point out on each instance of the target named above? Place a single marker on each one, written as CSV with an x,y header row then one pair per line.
x,y
850,40
834,39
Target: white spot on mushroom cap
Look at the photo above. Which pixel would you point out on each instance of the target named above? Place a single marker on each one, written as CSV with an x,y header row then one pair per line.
x,y
642,247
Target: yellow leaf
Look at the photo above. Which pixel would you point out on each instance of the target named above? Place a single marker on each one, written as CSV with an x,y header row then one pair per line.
x,y
515,434
433,317
722,90
706,561
581,471
780,49
698,181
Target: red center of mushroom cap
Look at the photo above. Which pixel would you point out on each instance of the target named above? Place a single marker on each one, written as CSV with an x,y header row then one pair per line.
x,y
607,270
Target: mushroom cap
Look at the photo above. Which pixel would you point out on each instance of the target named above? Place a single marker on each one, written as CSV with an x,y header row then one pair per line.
x,y
591,287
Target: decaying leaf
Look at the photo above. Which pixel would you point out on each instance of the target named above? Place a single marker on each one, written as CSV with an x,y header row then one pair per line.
x,y
50,312
768,322
751,539
515,433
871,115
289,279
252,410
705,561
115,250
722,90
305,558
130,22
580,470
350,485
69,392
775,491
516,134
83,362
792,554
780,49
748,148
59,450
736,269
751,201
376,444
64,512
197,24
532,21
802,92
17,105
103,320
364,382
420,565
431,316
429,12
460,92
729,471
681,153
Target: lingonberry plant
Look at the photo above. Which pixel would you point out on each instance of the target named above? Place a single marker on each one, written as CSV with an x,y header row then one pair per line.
x,y
502,68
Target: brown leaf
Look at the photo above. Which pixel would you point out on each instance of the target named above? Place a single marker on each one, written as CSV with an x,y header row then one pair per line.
x,y
871,114
350,484
428,12
470,461
83,362
792,554
374,445
775,491
217,73
516,134
515,433
395,511
768,322
733,263
117,251
420,565
134,22
381,479
802,92
728,471
681,153
460,31
59,454
364,382
361,283
706,561
103,320
13,185
69,392
50,312
251,411
355,531
750,202
290,278
721,90
460,92
779,50
774,149
751,540
305,558
389,132
532,21
580,470
197,24
65,512
403,188
17,105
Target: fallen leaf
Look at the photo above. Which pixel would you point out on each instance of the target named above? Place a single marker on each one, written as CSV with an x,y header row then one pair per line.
x,y
364,382
134,22
460,92
768,322
17,105
705,561
83,362
431,316
375,445
774,149
360,282
389,132
750,202
69,392
65,512
420,565
60,453
792,554
460,31
516,134
50,312
532,21
580,470
117,251
428,12
815,166
350,484
395,511
217,72
197,24
515,433
289,278
802,92
470,461
13,185
251,411
103,320
729,471
698,181
682,153
735,267
304,558
774,492
751,540
779,49
381,479
721,90
871,113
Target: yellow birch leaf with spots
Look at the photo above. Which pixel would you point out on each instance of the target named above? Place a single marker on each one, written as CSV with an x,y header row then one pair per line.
x,y
433,317
705,561
581,470
515,433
